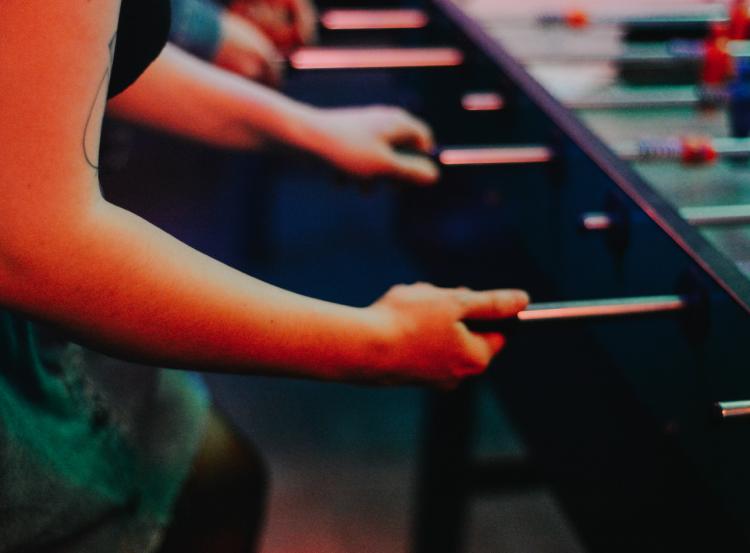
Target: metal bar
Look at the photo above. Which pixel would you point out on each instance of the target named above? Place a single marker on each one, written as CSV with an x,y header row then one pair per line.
x,y
494,155
702,216
591,309
732,147
482,101
584,310
597,221
733,409
579,19
673,52
690,149
688,96
374,58
358,19
717,215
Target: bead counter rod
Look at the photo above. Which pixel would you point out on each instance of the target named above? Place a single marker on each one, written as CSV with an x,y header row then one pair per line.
x,y
316,58
362,19
586,309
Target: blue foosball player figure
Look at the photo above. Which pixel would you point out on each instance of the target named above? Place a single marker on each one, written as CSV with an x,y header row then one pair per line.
x,y
739,101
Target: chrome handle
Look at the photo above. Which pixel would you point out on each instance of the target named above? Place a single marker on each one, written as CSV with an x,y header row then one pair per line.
x,y
733,409
374,58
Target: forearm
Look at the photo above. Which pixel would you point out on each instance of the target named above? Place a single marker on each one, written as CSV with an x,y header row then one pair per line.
x,y
184,95
119,283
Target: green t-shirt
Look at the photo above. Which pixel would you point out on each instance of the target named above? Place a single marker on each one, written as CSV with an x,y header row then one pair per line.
x,y
93,451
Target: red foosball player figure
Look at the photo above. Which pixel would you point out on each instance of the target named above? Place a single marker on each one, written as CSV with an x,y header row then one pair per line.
x,y
718,66
698,150
739,20
576,19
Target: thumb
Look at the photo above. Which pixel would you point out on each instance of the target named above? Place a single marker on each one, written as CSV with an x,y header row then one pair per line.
x,y
413,168
493,341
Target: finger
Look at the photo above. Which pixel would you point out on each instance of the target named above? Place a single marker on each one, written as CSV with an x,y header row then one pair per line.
x,y
492,303
409,130
272,62
494,342
272,20
276,72
417,169
482,347
305,19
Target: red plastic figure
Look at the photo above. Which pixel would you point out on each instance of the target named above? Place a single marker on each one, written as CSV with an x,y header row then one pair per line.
x,y
718,66
577,19
698,150
739,20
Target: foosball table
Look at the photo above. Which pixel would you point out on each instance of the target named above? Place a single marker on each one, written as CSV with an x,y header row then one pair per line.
x,y
596,154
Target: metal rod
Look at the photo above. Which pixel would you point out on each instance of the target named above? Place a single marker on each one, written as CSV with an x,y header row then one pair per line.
x,y
482,101
584,310
703,216
690,149
374,58
494,155
690,96
580,19
597,221
358,19
732,147
718,215
732,409
677,51
603,308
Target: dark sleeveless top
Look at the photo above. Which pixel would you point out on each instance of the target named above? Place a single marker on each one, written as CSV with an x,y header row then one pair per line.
x,y
141,34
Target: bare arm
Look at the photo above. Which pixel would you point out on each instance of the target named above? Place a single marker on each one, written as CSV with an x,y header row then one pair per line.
x,y
187,96
69,257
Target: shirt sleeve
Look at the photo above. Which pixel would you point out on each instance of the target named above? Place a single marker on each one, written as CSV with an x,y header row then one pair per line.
x,y
196,27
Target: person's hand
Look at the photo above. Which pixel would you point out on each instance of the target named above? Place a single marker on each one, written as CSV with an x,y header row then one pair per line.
x,y
427,340
363,142
288,23
245,50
